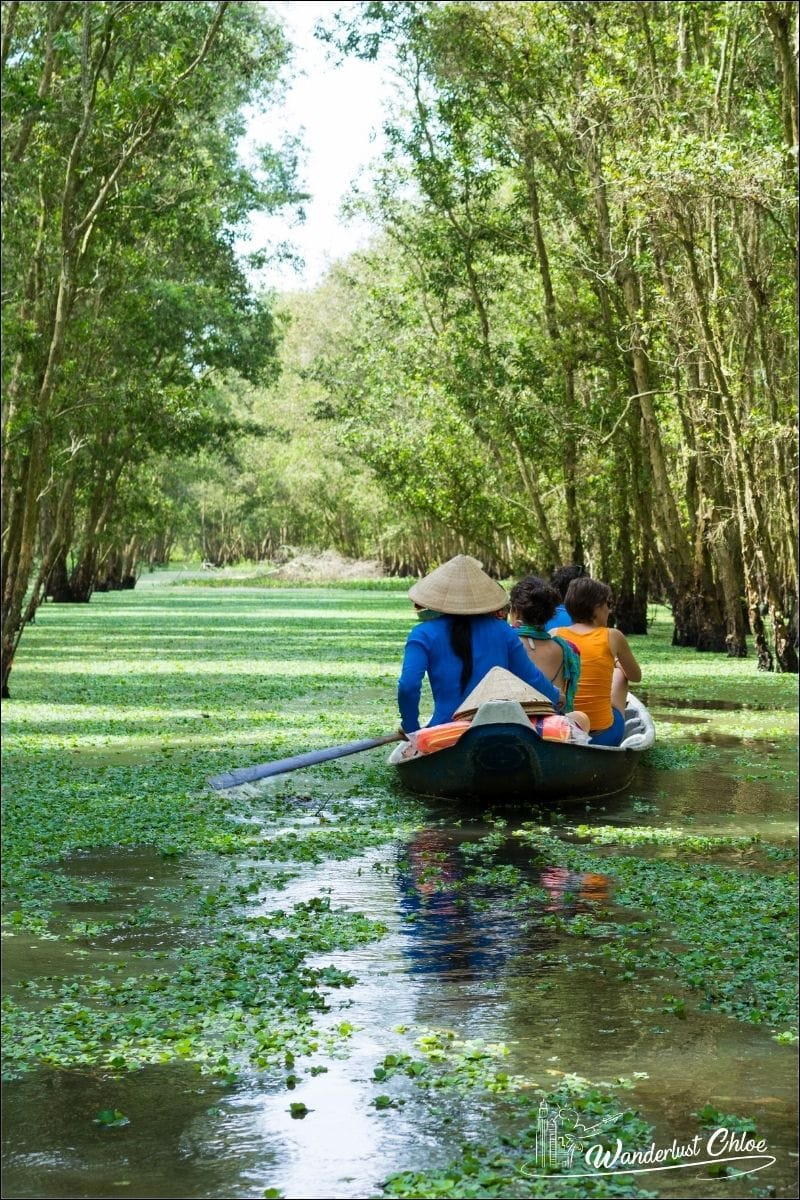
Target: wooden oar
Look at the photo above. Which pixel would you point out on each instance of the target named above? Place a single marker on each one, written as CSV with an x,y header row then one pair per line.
x,y
265,770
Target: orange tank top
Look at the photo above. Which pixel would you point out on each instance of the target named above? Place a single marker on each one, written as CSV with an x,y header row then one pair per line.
x,y
597,671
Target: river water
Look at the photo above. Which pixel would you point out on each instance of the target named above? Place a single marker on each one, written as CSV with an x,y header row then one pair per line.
x,y
475,966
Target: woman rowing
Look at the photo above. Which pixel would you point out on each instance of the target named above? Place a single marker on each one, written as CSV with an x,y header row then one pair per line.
x,y
457,640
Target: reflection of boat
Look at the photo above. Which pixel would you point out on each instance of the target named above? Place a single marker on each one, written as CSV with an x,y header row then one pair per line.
x,y
465,924
573,891
500,758
458,931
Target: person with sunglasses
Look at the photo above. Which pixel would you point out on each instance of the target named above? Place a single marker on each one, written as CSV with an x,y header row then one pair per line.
x,y
607,661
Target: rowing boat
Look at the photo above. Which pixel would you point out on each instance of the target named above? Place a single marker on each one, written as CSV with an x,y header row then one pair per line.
x,y
501,759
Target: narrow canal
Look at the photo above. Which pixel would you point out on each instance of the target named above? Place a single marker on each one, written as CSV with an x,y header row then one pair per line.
x,y
475,951
319,986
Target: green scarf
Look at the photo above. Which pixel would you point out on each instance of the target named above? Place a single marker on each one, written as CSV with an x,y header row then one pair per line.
x,y
428,614
533,631
572,659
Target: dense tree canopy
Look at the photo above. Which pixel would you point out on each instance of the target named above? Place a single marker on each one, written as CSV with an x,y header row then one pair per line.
x,y
573,338
577,340
123,299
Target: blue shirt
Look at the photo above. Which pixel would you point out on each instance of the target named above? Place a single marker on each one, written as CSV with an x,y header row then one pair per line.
x,y
428,650
559,617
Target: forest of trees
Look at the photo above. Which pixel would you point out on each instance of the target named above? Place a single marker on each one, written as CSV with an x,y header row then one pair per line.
x,y
573,337
123,300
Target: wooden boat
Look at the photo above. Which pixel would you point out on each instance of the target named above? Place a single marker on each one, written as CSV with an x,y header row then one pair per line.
x,y
501,759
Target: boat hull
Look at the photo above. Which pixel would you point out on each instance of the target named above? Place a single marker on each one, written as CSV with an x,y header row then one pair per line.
x,y
501,760
506,763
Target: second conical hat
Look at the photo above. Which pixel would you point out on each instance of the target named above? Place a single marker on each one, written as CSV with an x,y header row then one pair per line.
x,y
459,587
500,684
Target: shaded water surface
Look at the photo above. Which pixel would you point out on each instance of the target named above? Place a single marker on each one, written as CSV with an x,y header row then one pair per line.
x,y
467,959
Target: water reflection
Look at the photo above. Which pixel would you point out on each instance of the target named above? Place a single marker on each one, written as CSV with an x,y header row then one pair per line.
x,y
460,924
572,892
443,933
175,1145
466,949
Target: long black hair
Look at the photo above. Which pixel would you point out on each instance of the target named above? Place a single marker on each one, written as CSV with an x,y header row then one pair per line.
x,y
461,641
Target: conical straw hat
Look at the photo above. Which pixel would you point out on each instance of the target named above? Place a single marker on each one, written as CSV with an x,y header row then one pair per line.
x,y
459,587
500,684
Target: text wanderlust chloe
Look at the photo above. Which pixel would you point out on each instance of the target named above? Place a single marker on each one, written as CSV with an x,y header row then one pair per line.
x,y
721,1145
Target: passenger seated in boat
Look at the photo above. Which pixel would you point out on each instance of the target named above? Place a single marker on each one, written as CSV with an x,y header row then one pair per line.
x,y
457,640
560,581
533,603
607,661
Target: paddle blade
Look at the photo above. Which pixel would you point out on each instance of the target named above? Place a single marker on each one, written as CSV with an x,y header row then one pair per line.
x,y
283,765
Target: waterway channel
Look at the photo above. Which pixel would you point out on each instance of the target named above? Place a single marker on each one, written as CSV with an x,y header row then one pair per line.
x,y
471,960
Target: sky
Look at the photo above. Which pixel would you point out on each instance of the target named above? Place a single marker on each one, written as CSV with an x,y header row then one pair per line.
x,y
335,110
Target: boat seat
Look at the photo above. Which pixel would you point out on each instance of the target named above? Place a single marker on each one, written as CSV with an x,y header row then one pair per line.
x,y
639,731
636,741
403,753
634,734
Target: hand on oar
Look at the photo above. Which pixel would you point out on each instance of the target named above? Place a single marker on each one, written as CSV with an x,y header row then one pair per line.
x,y
283,765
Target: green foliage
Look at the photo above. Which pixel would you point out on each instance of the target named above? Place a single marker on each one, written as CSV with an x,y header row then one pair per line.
x,y
507,1165
162,908
570,339
673,758
111,1118
578,208
122,194
127,763
679,839
733,928
710,1118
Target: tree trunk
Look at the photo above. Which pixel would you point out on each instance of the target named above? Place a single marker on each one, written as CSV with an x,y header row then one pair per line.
x,y
570,454
624,589
83,579
754,525
779,18
58,586
56,297
730,581
764,657
677,552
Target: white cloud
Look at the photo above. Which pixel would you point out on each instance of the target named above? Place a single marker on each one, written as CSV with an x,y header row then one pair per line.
x,y
336,110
